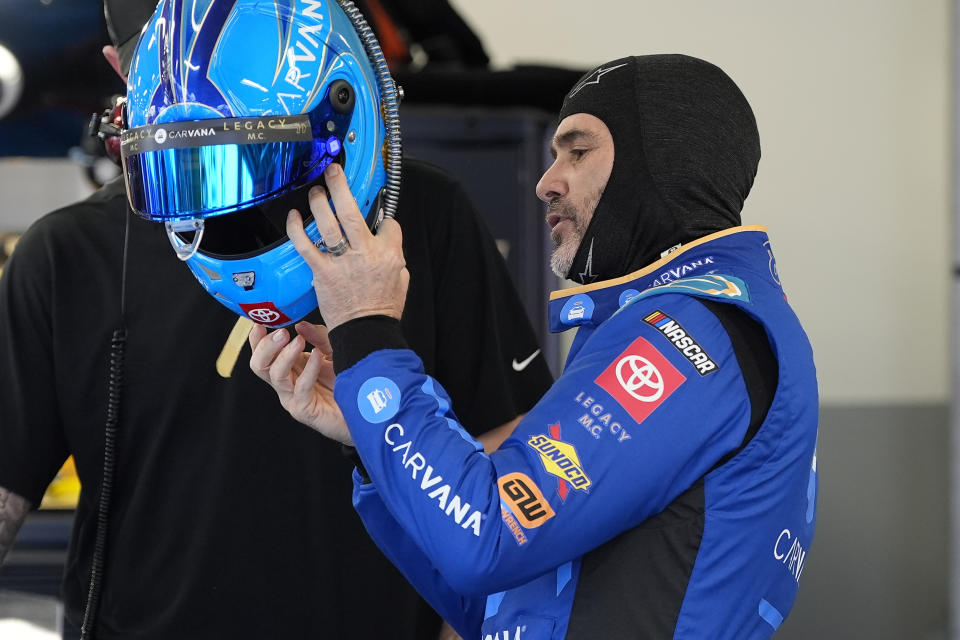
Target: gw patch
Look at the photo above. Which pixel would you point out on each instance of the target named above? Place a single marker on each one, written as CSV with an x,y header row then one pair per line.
x,y
683,341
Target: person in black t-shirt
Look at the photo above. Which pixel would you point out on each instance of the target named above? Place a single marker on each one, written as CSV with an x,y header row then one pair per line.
x,y
228,519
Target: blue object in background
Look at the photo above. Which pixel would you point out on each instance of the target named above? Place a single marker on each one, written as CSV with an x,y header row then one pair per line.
x,y
57,44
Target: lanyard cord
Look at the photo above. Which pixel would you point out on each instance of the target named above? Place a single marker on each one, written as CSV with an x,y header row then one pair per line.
x,y
114,394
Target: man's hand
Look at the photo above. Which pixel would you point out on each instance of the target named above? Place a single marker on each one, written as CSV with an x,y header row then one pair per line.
x,y
303,381
371,277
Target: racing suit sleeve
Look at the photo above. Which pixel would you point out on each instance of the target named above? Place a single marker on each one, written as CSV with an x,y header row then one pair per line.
x,y
631,424
464,614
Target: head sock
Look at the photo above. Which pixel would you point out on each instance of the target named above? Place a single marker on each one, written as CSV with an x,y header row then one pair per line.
x,y
686,150
125,20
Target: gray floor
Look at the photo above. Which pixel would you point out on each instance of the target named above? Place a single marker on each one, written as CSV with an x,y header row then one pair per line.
x,y
28,617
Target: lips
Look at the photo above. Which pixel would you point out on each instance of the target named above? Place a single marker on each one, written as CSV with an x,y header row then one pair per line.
x,y
560,211
559,229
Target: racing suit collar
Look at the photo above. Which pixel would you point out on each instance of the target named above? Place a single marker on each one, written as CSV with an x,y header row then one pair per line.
x,y
592,304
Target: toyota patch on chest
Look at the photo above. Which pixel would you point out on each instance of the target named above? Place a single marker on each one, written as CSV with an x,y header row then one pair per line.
x,y
640,379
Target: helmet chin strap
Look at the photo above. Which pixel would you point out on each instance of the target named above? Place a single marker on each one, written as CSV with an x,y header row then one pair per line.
x,y
185,250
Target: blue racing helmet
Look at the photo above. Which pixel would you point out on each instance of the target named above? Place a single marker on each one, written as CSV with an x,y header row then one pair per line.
x,y
234,109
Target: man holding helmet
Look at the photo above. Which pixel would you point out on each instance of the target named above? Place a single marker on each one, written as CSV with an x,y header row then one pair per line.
x,y
227,519
665,486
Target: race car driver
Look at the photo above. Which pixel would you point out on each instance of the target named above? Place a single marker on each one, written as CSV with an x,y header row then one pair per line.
x,y
665,486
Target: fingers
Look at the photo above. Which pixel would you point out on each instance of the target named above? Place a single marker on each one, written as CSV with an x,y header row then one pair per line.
x,y
327,377
303,389
284,367
277,360
315,334
327,224
347,224
265,349
255,336
350,216
390,234
304,246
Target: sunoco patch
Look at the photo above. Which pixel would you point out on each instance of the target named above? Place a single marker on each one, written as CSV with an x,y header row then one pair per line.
x,y
683,341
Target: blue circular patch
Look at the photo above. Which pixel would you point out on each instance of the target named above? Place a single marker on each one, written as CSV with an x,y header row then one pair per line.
x,y
577,310
628,295
378,399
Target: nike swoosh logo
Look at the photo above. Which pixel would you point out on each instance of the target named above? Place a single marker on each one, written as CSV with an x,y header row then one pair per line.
x,y
520,366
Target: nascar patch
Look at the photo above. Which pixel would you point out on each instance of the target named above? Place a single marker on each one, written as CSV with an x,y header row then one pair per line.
x,y
683,341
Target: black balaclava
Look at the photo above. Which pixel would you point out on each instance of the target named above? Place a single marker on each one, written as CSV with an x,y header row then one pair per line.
x,y
125,20
686,150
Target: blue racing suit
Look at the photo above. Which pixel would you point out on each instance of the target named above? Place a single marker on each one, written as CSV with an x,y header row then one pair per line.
x,y
643,496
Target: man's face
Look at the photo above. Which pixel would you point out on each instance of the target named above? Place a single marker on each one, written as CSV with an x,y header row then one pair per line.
x,y
583,154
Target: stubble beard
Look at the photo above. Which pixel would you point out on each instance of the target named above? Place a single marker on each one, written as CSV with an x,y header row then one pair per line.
x,y
565,246
564,252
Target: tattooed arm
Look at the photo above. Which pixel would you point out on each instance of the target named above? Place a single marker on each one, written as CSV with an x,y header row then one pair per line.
x,y
13,511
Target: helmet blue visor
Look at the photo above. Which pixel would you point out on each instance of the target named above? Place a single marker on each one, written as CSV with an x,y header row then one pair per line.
x,y
205,168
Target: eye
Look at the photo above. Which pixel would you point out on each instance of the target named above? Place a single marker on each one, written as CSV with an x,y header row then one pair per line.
x,y
577,154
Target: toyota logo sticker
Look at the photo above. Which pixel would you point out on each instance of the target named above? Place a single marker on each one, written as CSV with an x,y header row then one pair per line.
x,y
640,379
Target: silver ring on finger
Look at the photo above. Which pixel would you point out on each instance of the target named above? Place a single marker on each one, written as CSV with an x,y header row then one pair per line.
x,y
338,249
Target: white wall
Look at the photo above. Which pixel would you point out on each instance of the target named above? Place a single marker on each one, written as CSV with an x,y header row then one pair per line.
x,y
853,102
30,187
854,106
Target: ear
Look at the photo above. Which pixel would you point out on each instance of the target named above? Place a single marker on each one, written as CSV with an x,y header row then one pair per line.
x,y
113,57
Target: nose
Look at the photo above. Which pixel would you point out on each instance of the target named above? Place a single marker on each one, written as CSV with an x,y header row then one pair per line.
x,y
551,185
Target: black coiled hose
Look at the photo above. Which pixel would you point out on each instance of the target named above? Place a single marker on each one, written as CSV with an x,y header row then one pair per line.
x,y
118,348
118,345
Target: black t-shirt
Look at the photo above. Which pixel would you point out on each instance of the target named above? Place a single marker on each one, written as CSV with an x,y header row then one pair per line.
x,y
228,518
